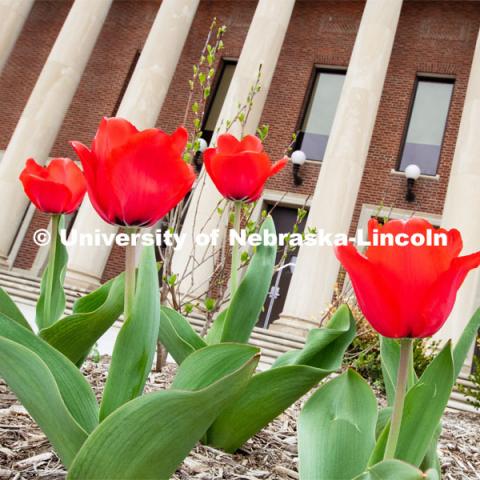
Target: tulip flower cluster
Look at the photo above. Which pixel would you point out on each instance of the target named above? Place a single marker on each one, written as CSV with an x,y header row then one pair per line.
x,y
133,179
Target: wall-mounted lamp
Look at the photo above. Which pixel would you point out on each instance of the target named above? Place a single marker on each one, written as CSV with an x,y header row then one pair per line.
x,y
202,146
298,159
412,173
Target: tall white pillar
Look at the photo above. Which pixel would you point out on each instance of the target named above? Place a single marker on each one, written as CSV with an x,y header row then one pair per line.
x,y
463,197
13,14
45,111
262,47
141,105
335,195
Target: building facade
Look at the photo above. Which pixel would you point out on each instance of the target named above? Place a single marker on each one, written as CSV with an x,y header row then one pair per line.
x,y
371,87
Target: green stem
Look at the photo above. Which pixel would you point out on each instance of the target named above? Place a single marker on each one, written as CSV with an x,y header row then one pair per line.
x,y
130,272
47,314
237,209
406,349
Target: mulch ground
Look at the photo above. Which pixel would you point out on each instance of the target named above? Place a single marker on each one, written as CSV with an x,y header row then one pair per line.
x,y
272,454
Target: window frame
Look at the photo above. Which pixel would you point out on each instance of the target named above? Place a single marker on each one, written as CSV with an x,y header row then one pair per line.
x,y
224,61
316,70
419,77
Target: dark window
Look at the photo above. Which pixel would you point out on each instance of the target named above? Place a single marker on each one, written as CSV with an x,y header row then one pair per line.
x,y
426,126
284,218
217,99
319,114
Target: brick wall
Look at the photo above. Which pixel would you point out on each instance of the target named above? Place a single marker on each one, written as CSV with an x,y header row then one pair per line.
x,y
433,37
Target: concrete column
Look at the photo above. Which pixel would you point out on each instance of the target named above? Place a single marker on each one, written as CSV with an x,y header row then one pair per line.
x,y
45,111
13,14
335,195
463,197
141,105
262,47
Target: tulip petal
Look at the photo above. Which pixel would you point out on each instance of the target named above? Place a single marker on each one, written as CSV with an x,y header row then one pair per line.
x,y
112,133
239,176
376,298
412,268
149,177
251,143
97,186
440,299
227,144
278,165
46,195
179,140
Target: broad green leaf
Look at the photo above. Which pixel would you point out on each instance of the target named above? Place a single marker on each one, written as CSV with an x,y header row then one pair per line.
x,y
269,393
214,334
177,335
137,340
10,310
94,314
336,429
211,363
465,342
51,303
74,389
247,302
34,385
396,470
149,437
424,406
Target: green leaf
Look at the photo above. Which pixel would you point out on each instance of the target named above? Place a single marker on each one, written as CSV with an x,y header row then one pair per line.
x,y
212,363
93,315
336,429
51,303
10,310
149,437
34,385
214,334
465,342
425,403
177,335
269,393
75,391
396,470
248,300
137,340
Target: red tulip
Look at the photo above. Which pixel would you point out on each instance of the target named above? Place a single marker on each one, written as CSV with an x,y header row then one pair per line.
x,y
134,178
239,169
57,188
407,291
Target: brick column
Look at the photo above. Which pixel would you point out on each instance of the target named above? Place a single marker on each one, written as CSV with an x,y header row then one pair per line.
x,y
141,105
46,108
335,195
463,197
262,47
13,14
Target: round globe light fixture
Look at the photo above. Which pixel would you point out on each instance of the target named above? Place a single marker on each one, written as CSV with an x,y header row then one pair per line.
x,y
298,159
412,173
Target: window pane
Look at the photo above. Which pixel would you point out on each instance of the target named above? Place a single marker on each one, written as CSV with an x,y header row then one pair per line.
x,y
320,113
427,125
218,99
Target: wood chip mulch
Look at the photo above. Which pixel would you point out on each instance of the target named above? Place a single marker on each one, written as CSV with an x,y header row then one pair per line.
x,y
271,455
